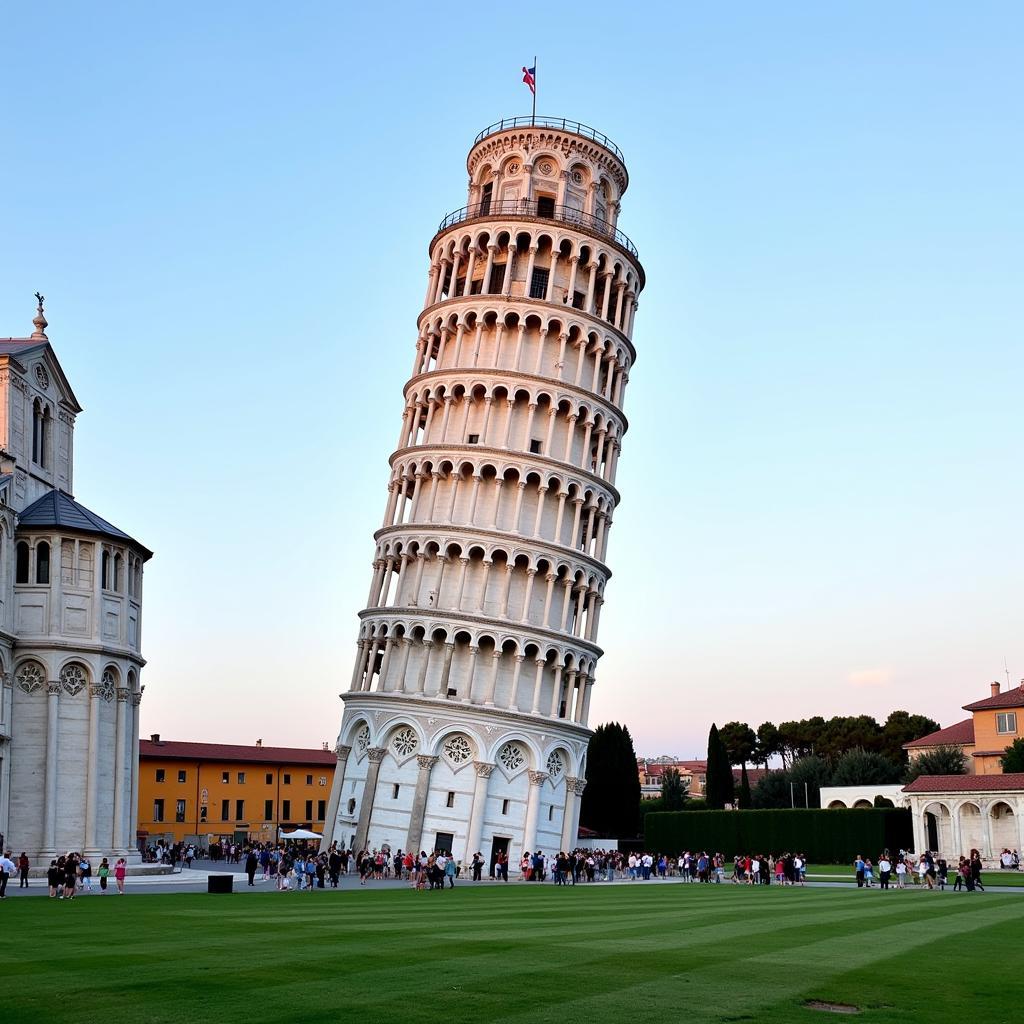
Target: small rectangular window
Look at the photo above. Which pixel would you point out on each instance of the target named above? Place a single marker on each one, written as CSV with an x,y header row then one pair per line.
x,y
225,810
504,807
309,810
539,284
158,810
182,776
534,446
497,279
545,206
268,810
160,775
225,776
179,810
270,778
473,439
394,791
286,809
309,780
321,810
241,777
578,298
287,779
551,813
239,810
202,813
1006,722
451,800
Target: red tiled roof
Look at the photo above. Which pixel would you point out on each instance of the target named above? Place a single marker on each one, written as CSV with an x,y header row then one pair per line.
x,y
754,775
960,734
658,767
966,783
182,751
1009,699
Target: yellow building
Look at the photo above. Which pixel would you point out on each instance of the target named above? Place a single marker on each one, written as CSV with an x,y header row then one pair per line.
x,y
994,724
210,791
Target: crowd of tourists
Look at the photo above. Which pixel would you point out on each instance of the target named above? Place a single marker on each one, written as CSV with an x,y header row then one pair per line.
x,y
928,870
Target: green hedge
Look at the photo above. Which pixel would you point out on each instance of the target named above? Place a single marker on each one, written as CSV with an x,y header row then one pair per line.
x,y
828,837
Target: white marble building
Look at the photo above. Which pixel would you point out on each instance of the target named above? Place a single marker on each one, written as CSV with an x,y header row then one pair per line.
x,y
465,724
70,629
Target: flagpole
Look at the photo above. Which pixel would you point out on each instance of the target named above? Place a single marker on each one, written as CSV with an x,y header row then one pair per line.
x,y
533,116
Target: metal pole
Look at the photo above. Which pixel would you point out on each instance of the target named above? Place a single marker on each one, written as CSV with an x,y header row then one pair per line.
x,y
533,116
807,798
792,800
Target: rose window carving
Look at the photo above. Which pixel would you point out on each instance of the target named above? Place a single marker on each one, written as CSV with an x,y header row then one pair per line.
x,y
108,686
73,679
547,167
363,740
457,750
555,764
513,168
404,742
30,677
577,177
512,757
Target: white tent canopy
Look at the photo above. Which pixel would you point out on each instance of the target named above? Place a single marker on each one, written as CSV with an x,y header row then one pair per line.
x,y
301,833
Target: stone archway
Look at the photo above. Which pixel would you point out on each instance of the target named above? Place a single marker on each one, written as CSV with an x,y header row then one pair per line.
x,y
972,829
1003,827
938,829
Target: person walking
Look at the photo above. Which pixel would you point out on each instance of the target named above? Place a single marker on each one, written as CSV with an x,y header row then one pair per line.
x,y
7,868
449,871
251,864
120,872
104,873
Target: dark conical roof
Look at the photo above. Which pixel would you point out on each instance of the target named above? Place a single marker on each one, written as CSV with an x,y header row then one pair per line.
x,y
55,508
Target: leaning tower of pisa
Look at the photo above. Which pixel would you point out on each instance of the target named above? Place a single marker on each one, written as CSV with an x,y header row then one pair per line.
x,y
465,724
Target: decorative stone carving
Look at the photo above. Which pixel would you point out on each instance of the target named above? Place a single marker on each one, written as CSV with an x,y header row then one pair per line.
x,y
511,757
578,786
376,754
426,761
108,686
52,689
30,677
457,750
362,741
123,693
483,769
342,751
136,699
555,765
95,692
73,679
42,377
538,778
404,742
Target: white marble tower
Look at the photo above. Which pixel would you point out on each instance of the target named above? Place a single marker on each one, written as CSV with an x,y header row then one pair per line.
x,y
465,724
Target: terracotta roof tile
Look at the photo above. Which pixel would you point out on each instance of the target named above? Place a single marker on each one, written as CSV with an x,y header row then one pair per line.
x,y
966,783
185,751
1007,699
961,734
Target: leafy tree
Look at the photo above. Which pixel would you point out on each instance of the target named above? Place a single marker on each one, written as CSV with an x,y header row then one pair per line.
x,y
860,767
673,790
718,786
772,791
902,727
945,759
745,800
1013,759
843,733
807,776
882,802
768,743
611,801
740,741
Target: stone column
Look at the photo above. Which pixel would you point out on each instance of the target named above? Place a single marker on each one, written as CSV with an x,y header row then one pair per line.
x,y
331,818
50,793
476,816
538,682
571,800
121,740
537,779
134,798
466,689
446,671
426,762
421,679
493,679
579,786
403,665
374,755
917,820
954,831
513,703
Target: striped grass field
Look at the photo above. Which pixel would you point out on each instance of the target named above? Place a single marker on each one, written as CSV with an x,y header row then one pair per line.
x,y
845,873
644,952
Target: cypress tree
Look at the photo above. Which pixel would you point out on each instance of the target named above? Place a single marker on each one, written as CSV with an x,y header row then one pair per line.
x,y
745,801
611,801
719,787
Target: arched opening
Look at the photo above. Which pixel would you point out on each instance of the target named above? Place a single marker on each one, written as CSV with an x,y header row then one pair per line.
x,y
21,560
42,562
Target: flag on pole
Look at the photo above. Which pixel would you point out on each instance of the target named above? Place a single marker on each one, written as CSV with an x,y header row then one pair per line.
x,y
530,78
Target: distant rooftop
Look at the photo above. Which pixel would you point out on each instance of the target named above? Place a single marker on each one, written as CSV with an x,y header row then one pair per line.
x,y
55,508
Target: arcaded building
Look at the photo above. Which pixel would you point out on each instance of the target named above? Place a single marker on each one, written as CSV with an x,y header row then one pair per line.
x,y
465,724
70,628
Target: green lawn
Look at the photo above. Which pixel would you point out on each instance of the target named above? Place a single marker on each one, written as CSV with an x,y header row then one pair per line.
x,y
843,873
649,953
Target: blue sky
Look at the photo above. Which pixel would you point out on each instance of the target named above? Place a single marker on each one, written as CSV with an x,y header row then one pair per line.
x,y
228,208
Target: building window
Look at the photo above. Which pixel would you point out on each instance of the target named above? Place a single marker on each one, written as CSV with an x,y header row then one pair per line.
x,y
160,775
545,206
486,194
105,570
179,810
118,573
286,809
539,283
394,791
37,430
225,776
202,814
309,780
241,778
1006,722
268,810
225,809
182,776
551,813
239,810
473,439
21,575
534,446
321,810
309,810
44,441
497,279
287,779
451,800
158,810
351,806
270,778
504,807
42,562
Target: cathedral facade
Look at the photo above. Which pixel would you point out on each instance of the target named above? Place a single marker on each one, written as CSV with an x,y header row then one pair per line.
x,y
70,629
465,725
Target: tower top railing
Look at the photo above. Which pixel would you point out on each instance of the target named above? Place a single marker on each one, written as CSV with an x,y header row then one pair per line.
x,y
561,123
523,208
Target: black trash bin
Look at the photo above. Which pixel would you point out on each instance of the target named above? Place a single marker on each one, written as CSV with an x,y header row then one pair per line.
x,y
220,883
